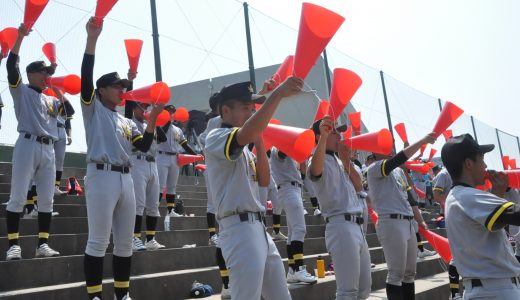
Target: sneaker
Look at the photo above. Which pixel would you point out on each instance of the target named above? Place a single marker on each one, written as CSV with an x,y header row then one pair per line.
x,y
456,297
213,240
305,212
372,266
32,215
279,236
58,192
225,293
425,253
45,251
14,253
137,245
317,212
126,297
153,245
303,276
290,276
174,214
55,213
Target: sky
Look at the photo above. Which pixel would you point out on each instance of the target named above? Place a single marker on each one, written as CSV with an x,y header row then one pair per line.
x,y
461,51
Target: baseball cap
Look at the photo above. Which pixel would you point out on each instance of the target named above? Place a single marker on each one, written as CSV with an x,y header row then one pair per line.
x,y
214,100
242,91
38,66
111,79
316,127
459,148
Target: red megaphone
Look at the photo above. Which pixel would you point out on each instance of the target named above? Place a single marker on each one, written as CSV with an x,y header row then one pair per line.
x,y
322,110
345,83
200,167
157,93
373,215
512,163
181,115
348,133
49,92
401,131
102,9
419,193
513,178
419,168
133,51
439,243
49,49
355,120
448,134
7,39
450,112
432,153
423,147
297,143
284,70
33,10
505,162
317,27
162,118
184,159
70,84
376,142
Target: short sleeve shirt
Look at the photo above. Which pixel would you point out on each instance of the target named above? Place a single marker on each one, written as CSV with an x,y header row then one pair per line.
x,y
284,170
174,138
442,182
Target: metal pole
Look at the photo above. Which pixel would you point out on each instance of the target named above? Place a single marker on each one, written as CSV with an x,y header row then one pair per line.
x,y
474,130
249,48
156,48
440,104
326,67
388,118
518,142
499,144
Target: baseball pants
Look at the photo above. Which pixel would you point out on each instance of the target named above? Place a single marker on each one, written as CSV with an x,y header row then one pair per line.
x,y
309,187
110,207
346,243
515,231
59,152
146,187
32,161
255,266
291,197
397,237
168,173
210,206
492,289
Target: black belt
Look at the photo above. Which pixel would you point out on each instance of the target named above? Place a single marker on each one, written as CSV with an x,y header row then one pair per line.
x,y
244,217
40,139
398,216
476,282
148,158
167,153
61,125
293,183
351,218
120,169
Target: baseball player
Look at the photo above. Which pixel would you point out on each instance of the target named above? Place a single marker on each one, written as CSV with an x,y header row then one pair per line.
x,y
309,187
396,225
146,182
110,197
33,155
513,195
337,183
271,193
475,219
441,186
254,263
287,175
64,130
167,162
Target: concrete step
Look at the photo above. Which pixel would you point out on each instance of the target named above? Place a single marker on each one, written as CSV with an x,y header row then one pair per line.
x,y
427,288
6,187
177,284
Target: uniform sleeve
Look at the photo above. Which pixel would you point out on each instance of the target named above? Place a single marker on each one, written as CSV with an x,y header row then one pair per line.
x,y
141,142
222,143
375,170
440,183
485,208
87,86
13,72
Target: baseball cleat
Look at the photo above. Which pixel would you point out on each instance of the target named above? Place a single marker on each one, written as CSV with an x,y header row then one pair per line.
x,y
153,245
290,276
137,245
279,236
58,192
225,293
45,251
303,276
14,253
425,253
213,240
317,212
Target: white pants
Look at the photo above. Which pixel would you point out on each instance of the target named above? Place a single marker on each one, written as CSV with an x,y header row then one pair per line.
x,y
291,197
32,161
255,266
309,187
59,152
110,207
492,289
515,231
399,244
168,172
146,187
346,243
210,206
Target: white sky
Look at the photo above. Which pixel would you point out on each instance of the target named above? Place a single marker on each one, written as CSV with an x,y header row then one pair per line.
x,y
462,51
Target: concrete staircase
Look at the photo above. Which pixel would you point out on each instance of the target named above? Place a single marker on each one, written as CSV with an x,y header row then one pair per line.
x,y
167,273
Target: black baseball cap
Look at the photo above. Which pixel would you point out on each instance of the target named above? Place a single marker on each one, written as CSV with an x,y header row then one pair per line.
x,y
316,127
38,66
242,91
214,100
459,148
111,79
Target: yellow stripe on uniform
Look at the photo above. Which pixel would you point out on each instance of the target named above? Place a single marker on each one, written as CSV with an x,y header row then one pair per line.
x,y
276,225
137,235
298,256
383,168
88,102
497,214
43,235
150,232
290,261
183,142
121,284
17,82
212,229
12,236
136,138
94,289
228,143
224,273
438,189
29,202
454,285
170,204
